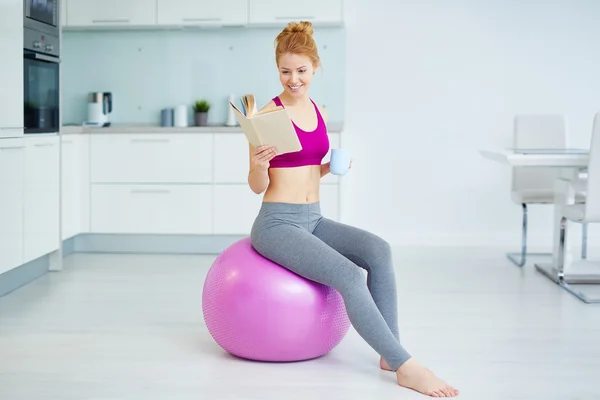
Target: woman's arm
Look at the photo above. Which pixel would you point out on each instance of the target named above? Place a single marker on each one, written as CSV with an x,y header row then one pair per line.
x,y
325,169
258,174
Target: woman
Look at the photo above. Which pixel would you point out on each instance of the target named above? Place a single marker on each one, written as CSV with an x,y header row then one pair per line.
x,y
291,231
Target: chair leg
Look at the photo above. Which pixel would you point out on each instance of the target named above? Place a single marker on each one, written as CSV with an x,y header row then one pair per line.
x,y
584,236
561,272
523,255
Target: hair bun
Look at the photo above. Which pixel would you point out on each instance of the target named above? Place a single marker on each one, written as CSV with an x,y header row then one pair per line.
x,y
300,27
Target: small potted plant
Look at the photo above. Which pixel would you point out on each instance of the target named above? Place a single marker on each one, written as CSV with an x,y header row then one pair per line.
x,y
201,108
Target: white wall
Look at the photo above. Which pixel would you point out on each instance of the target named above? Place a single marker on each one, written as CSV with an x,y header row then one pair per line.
x,y
430,82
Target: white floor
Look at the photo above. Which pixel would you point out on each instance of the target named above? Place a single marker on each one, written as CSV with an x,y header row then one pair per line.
x,y
130,327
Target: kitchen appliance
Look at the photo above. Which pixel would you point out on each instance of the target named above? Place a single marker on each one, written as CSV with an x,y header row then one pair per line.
x,y
42,16
41,85
100,106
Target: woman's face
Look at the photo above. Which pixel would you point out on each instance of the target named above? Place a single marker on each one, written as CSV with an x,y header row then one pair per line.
x,y
295,73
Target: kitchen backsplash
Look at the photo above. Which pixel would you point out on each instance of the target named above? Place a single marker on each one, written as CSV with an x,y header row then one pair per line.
x,y
150,70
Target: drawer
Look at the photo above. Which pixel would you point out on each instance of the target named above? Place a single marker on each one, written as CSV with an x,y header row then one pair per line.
x,y
169,209
151,158
236,207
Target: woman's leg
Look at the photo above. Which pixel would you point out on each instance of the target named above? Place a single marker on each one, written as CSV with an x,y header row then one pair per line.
x,y
298,250
374,254
282,234
371,253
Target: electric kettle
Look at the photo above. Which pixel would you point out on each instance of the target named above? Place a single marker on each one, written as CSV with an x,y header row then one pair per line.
x,y
100,106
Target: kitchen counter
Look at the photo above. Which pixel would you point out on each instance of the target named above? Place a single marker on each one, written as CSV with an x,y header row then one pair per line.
x,y
139,128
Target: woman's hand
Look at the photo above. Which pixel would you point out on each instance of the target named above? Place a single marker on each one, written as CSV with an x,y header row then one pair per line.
x,y
326,168
261,157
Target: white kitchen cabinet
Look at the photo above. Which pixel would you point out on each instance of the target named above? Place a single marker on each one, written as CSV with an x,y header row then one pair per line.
x,y
235,208
11,203
41,196
75,185
151,158
202,12
329,198
11,77
189,183
280,12
151,209
231,156
111,13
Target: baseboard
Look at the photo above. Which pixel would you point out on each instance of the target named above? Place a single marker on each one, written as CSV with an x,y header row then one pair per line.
x,y
15,278
114,243
151,244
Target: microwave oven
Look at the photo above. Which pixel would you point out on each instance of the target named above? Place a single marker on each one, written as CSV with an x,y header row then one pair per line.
x,y
42,16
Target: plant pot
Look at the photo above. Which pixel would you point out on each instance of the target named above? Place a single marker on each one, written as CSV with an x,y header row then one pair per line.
x,y
201,118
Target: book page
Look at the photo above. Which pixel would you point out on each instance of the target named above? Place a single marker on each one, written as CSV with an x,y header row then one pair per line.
x,y
251,102
276,129
268,110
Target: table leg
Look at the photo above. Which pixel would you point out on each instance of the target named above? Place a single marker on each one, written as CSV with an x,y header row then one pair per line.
x,y
564,270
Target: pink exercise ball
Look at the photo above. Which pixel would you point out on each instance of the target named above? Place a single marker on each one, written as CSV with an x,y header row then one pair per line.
x,y
256,309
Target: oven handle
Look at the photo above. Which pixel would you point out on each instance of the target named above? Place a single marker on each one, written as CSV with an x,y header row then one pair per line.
x,y
42,57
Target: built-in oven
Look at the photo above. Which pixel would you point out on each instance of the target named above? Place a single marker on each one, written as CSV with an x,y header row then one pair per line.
x,y
42,16
41,84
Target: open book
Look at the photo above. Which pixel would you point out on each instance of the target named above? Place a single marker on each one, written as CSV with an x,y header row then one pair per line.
x,y
270,126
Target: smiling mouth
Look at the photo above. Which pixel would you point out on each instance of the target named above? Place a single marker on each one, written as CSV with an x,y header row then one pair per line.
x,y
295,87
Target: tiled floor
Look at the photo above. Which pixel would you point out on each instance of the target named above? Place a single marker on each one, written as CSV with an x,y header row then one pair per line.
x,y
130,327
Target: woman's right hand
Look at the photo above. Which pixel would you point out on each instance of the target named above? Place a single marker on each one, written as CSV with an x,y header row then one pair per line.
x,y
262,156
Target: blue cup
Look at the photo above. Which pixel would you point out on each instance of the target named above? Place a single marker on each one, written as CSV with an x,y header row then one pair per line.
x,y
340,161
166,117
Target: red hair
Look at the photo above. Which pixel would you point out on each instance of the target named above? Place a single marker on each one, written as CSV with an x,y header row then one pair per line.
x,y
296,38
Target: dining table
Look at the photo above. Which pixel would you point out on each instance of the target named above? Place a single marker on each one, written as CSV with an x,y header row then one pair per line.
x,y
563,269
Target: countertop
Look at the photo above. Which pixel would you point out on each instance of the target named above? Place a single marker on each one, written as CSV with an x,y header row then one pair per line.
x,y
140,128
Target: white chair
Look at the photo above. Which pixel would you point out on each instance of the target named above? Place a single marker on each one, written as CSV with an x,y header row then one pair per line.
x,y
583,213
533,185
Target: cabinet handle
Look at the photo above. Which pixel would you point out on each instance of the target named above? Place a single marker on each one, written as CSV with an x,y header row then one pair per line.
x,y
297,17
150,140
201,19
102,21
12,147
67,142
150,191
44,144
11,127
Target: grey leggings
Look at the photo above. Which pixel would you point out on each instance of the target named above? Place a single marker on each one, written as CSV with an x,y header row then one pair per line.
x,y
299,238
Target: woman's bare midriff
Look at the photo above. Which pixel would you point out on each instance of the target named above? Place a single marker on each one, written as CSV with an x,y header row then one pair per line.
x,y
298,185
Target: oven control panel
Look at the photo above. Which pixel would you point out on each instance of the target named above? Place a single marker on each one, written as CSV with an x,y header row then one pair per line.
x,y
41,42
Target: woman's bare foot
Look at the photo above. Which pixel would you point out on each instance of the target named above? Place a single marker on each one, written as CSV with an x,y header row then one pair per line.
x,y
384,365
414,376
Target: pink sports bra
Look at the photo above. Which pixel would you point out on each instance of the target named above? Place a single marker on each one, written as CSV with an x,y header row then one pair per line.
x,y
315,145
